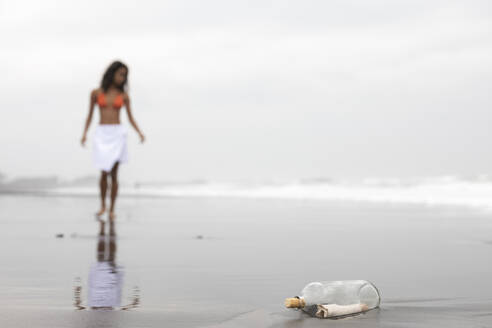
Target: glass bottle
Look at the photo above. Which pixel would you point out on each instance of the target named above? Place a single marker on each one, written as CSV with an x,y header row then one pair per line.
x,y
333,299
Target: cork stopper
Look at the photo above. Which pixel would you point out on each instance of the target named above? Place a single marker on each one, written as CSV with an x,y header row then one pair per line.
x,y
294,302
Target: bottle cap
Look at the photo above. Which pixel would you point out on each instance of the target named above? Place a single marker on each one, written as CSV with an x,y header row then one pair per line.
x,y
294,302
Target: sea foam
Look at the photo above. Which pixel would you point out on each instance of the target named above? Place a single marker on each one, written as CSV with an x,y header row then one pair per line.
x,y
473,192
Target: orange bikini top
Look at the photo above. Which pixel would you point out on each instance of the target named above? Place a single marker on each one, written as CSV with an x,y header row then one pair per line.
x,y
117,103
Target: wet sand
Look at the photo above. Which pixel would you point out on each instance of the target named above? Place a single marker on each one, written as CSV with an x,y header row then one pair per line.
x,y
212,262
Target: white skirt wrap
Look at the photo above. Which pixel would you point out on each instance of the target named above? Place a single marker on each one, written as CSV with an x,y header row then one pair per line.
x,y
109,146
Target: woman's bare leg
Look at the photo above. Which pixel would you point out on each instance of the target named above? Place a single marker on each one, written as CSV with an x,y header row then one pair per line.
x,y
114,190
103,187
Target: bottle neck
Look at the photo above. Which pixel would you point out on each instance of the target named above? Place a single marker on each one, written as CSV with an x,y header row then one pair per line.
x,y
295,302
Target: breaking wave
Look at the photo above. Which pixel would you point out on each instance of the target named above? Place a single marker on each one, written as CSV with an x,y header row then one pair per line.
x,y
449,190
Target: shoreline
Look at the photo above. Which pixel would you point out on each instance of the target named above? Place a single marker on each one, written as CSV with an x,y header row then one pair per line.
x,y
250,256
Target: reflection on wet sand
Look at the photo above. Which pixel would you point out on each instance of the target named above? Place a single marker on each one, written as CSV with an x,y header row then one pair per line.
x,y
105,277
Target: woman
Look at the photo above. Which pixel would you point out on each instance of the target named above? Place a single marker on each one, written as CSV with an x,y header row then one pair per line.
x,y
110,136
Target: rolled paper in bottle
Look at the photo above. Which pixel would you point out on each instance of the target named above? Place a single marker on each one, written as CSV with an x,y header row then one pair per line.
x,y
335,310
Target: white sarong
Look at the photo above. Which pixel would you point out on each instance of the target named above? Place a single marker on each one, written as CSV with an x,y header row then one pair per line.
x,y
109,146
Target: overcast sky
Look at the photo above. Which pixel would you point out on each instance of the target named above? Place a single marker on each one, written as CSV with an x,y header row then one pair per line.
x,y
253,89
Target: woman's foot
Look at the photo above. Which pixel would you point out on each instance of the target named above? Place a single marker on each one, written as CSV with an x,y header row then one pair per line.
x,y
112,215
101,211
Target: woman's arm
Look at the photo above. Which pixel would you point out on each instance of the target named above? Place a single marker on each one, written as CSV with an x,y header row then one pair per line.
x,y
92,104
126,98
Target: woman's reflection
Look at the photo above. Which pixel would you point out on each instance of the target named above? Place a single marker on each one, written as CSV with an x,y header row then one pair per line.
x,y
105,277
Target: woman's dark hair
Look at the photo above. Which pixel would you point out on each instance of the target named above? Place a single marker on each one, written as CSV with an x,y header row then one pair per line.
x,y
108,76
